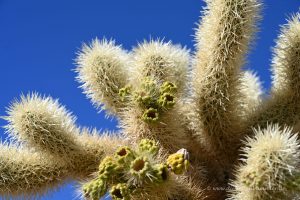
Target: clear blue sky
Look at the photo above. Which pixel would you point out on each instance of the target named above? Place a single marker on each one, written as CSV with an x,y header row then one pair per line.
x,y
39,39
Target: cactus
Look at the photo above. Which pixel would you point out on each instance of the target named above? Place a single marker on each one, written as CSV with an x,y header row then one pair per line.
x,y
192,125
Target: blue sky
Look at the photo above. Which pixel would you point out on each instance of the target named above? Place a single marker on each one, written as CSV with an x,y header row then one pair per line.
x,y
39,41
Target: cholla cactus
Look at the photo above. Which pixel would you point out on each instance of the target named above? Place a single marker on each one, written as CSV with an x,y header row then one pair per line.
x,y
192,127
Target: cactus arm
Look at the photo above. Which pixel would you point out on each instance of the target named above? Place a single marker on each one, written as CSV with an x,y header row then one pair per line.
x,y
25,173
283,105
285,63
156,63
43,124
225,31
102,73
250,100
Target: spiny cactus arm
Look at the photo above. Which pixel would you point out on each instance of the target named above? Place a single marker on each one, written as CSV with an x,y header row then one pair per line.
x,y
159,74
270,164
25,173
102,71
223,37
285,64
283,106
42,123
251,98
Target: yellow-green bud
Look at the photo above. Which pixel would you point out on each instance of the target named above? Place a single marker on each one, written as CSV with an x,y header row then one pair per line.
x,y
150,115
178,162
160,173
168,87
166,100
120,192
143,99
149,146
108,167
124,155
124,92
148,94
95,189
139,167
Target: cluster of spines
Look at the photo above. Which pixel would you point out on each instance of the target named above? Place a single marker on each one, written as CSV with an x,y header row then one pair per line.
x,y
128,171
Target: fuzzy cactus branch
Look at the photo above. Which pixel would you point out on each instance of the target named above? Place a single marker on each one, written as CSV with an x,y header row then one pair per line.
x,y
283,106
159,81
286,58
224,34
26,173
223,37
44,124
102,71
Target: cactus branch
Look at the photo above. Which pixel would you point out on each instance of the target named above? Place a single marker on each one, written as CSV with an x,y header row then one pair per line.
x,y
283,105
48,127
223,37
102,72
26,173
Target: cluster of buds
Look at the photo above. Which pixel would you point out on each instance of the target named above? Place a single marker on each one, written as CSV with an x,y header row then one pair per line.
x,y
125,92
153,99
130,169
179,162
